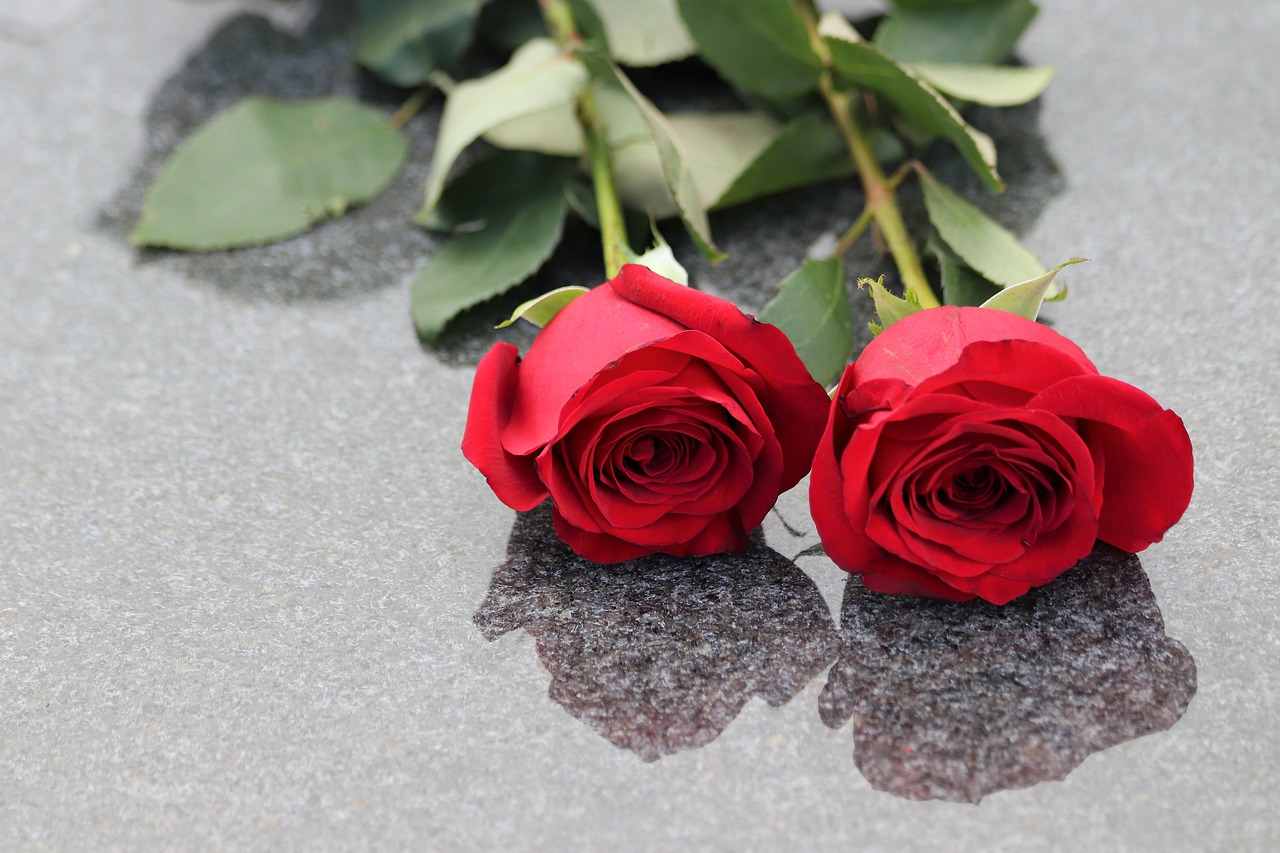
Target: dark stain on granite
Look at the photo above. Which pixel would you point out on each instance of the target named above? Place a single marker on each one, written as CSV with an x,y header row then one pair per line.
x,y
660,654
955,701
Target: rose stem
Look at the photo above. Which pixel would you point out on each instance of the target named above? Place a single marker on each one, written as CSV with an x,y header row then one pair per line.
x,y
613,230
881,203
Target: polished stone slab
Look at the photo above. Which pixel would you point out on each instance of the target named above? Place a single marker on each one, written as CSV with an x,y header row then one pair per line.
x,y
252,597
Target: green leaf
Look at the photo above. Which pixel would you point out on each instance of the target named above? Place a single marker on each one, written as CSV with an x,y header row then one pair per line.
x,y
661,260
1025,297
673,155
264,170
963,286
980,242
865,65
717,147
960,284
981,33
507,24
812,309
472,268
643,33
760,46
541,309
889,308
992,85
538,77
490,186
403,41
807,150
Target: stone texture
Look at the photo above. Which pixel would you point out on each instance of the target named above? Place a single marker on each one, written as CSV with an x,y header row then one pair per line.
x,y
240,553
955,701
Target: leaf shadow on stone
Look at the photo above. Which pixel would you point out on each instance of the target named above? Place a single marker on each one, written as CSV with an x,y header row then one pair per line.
x,y
373,246
659,654
955,701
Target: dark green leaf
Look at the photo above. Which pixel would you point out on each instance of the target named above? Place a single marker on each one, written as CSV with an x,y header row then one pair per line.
x,y
806,151
674,157
863,64
812,309
507,24
760,46
981,33
1024,298
265,170
993,85
980,242
642,33
503,180
539,77
404,41
472,268
963,286
960,284
541,309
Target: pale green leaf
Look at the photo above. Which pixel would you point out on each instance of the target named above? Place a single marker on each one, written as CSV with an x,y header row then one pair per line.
x,y
643,33
264,170
553,131
472,268
807,150
674,157
760,46
980,242
993,85
718,147
405,40
863,64
981,33
538,77
541,309
661,260
1024,298
812,309
889,308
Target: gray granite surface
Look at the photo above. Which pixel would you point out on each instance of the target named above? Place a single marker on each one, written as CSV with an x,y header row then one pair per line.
x,y
251,597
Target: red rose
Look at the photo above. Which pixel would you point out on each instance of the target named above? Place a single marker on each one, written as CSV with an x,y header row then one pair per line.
x,y
972,452
656,418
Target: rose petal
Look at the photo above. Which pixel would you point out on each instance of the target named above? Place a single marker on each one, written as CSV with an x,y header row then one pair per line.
x,y
927,343
563,358
513,478
795,404
1146,451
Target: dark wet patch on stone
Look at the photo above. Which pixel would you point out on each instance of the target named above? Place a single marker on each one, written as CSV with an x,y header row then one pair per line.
x,y
659,654
955,701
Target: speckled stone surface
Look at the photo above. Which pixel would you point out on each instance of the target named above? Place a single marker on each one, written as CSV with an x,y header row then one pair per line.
x,y
242,560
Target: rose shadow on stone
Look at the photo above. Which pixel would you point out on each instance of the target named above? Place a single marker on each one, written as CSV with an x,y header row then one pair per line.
x,y
375,246
659,654
954,701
